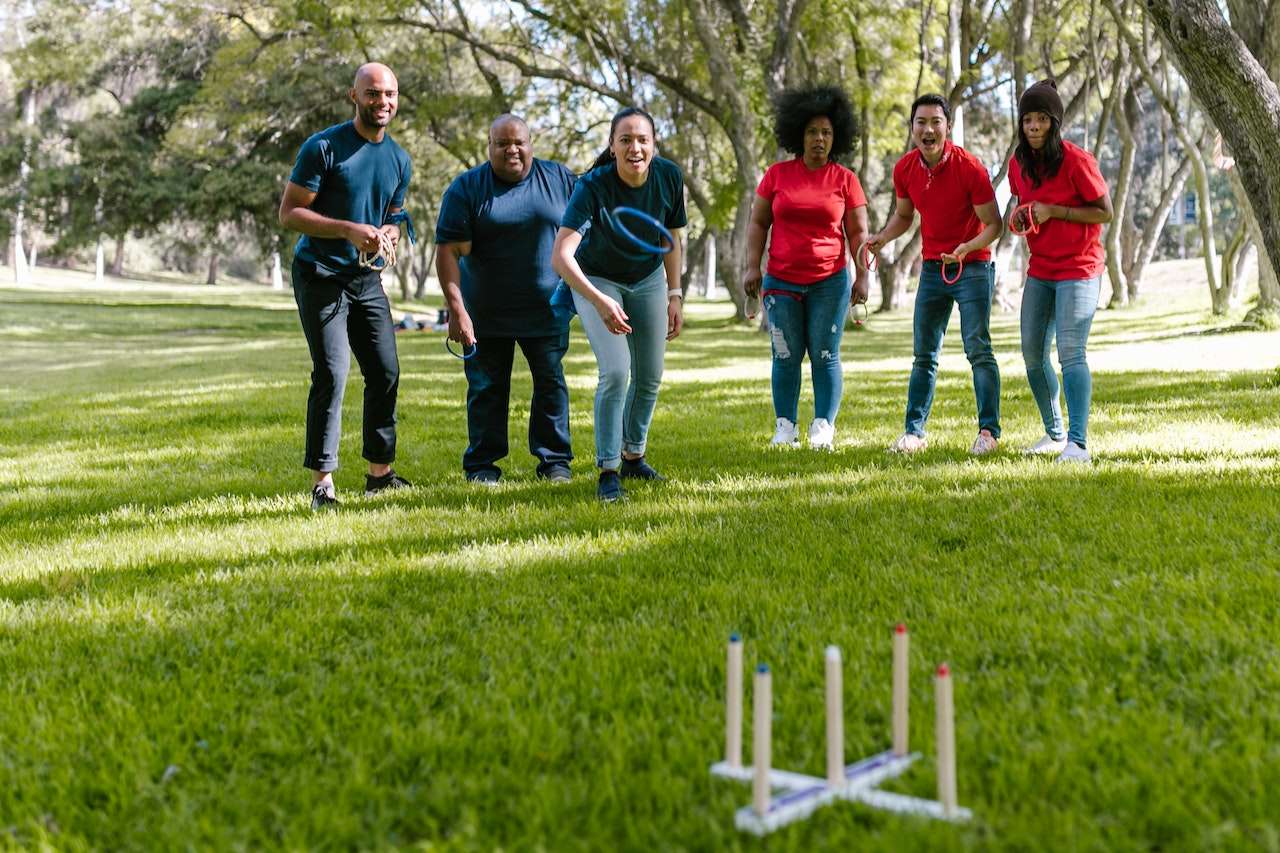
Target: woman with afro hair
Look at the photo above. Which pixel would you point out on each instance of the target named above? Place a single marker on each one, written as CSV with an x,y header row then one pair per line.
x,y
817,212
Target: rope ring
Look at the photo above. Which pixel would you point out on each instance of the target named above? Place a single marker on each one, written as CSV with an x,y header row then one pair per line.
x,y
619,213
865,259
956,277
1028,211
464,355
866,314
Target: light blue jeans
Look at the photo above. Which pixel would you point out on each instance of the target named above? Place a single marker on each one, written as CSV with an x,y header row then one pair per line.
x,y
807,319
630,366
1067,308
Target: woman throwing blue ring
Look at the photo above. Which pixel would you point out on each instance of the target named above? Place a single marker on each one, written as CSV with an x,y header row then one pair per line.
x,y
627,294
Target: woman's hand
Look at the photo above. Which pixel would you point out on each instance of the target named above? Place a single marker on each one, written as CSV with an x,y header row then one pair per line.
x,y
861,290
615,319
675,316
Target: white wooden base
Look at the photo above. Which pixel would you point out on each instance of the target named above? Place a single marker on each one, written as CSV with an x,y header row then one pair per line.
x,y
802,794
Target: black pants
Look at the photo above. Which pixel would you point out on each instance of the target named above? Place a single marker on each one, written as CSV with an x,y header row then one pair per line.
x,y
341,313
489,398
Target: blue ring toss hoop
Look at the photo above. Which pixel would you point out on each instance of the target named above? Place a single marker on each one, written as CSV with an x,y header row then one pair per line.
x,y
464,355
620,213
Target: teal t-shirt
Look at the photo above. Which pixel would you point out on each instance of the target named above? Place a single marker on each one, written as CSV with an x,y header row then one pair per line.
x,y
605,253
355,180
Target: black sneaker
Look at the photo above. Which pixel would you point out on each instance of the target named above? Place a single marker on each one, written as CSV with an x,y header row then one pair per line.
x,y
484,477
609,488
389,480
556,472
322,497
638,469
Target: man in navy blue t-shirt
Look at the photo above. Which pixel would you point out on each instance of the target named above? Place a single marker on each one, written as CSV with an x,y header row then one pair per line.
x,y
494,236
348,181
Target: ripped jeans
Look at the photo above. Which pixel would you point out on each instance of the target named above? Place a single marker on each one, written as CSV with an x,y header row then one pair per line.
x,y
807,319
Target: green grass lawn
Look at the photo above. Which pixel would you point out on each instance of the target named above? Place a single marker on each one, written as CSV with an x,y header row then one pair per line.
x,y
191,659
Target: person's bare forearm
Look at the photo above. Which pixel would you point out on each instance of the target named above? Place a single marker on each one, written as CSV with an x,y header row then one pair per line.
x,y
894,228
450,274
1087,214
755,244
672,263
306,221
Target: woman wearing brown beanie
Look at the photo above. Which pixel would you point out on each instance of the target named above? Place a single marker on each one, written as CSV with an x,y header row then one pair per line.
x,y
1060,202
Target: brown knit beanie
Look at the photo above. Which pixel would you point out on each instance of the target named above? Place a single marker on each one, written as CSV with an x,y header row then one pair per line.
x,y
1041,97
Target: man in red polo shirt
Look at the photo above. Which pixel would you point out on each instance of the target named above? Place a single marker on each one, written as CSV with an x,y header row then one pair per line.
x,y
958,221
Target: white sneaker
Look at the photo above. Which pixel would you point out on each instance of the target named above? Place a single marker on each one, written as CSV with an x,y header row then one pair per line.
x,y
822,435
786,435
1046,446
909,442
983,444
1074,453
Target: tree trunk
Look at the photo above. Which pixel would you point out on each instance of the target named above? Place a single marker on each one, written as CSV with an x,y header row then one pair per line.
x,y
117,262
403,270
954,8
1236,91
893,276
212,277
1120,199
1266,313
1155,227
1230,254
696,260
21,273
426,262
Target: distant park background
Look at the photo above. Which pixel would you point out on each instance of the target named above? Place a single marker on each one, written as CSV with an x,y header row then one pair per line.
x,y
157,136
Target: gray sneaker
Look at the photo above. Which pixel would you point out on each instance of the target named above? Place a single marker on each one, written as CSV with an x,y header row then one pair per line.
x,y
1074,453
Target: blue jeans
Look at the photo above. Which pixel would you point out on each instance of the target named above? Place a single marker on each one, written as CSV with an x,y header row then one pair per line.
x,y
1066,307
489,401
807,318
630,366
934,301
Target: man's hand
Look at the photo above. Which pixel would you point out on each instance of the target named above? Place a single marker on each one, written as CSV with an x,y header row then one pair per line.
x,y
460,328
366,238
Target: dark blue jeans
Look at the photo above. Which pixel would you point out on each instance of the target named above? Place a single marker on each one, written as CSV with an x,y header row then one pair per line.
x,y
807,319
343,315
934,301
489,400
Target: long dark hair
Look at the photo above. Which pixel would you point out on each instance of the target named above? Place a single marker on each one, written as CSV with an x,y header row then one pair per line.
x,y
606,156
1040,166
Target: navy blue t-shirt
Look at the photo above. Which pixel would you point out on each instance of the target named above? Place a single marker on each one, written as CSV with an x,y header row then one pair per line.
x,y
355,180
603,251
507,280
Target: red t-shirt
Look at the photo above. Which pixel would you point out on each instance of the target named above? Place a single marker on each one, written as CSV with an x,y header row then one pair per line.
x,y
945,196
808,242
1062,250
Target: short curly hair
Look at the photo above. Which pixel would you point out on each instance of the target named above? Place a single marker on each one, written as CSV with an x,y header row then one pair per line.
x,y
794,108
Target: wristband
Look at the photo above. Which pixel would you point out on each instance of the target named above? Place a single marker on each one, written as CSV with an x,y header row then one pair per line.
x,y
676,292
